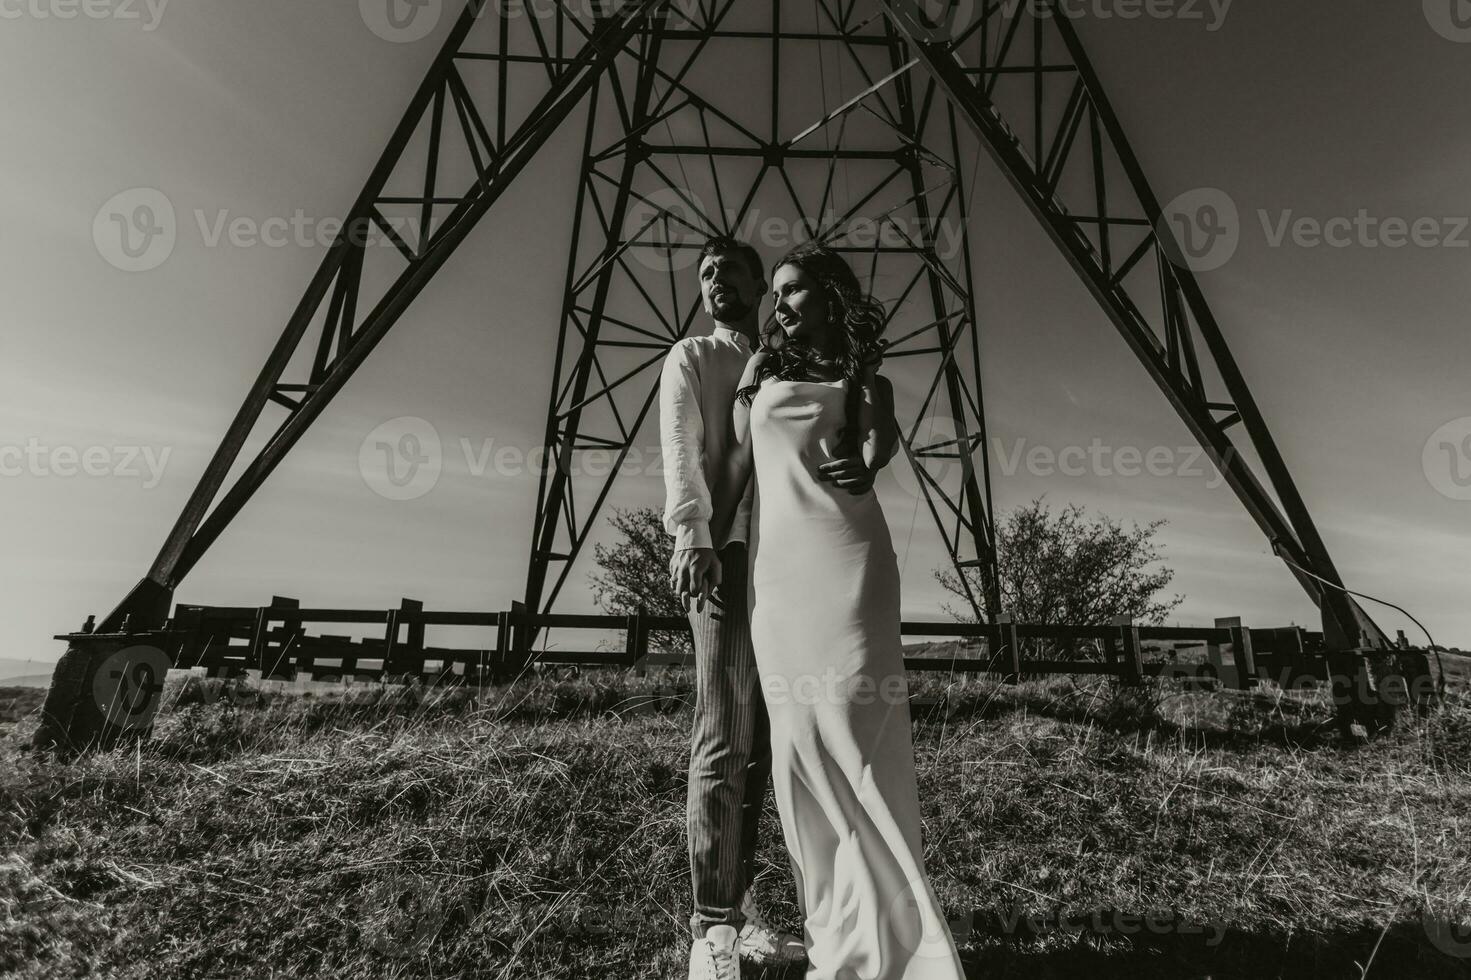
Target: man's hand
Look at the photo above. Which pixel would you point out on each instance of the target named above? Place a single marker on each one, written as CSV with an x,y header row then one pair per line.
x,y
847,472
694,573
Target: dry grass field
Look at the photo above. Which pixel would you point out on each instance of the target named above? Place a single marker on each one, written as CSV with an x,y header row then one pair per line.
x,y
535,830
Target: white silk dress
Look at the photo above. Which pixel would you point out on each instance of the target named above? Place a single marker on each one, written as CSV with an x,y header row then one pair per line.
x,y
823,595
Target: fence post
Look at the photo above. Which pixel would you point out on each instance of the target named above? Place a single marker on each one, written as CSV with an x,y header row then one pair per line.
x,y
519,626
1133,664
1295,658
406,657
634,640
500,661
1013,673
272,664
1242,654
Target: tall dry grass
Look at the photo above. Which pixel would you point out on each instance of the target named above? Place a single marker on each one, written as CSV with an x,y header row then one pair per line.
x,y
536,830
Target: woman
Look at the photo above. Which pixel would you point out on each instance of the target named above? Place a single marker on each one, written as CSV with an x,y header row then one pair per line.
x,y
824,604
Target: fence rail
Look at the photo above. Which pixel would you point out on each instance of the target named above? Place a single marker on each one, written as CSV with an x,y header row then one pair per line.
x,y
276,641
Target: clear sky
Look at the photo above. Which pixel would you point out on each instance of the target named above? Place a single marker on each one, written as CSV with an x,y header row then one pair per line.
x,y
1357,351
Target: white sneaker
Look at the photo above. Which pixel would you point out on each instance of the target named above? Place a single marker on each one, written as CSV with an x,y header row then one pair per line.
x,y
763,945
715,957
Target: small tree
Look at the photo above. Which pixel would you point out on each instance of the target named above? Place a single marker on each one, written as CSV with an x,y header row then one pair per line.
x,y
635,572
1064,569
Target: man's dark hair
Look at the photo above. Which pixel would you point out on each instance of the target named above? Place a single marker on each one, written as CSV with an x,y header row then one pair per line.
x,y
724,245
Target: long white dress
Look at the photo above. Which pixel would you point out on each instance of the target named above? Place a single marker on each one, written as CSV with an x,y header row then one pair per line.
x,y
823,595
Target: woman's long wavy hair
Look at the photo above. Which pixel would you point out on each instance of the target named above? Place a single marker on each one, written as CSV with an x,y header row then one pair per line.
x,y
861,317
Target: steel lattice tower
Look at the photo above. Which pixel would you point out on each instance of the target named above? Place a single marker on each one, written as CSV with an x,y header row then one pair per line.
x,y
674,150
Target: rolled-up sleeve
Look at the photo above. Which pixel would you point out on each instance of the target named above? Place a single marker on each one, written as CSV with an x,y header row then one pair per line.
x,y
687,506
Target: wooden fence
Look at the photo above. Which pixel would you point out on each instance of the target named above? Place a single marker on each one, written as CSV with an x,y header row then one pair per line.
x,y
275,640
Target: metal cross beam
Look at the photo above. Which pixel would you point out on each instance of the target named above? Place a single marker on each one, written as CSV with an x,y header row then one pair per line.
x,y
1020,78
554,63
664,172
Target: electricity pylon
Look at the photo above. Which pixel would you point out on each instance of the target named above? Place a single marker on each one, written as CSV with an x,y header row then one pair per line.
x,y
677,147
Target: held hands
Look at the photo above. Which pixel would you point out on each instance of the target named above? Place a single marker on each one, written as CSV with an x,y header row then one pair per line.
x,y
694,573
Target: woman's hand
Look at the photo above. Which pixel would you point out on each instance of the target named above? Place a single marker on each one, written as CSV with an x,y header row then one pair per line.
x,y
871,357
878,425
847,472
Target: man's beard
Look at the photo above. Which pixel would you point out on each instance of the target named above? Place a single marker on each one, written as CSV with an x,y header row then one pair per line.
x,y
730,308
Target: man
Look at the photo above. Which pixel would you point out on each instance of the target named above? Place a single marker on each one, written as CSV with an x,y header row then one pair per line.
x,y
730,748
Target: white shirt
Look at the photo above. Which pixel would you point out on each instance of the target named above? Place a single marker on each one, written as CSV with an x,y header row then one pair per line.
x,y
696,394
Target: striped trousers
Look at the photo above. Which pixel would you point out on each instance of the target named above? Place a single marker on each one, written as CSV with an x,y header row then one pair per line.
x,y
730,752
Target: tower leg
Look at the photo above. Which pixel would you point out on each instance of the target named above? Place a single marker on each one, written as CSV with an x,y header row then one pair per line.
x,y
105,690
